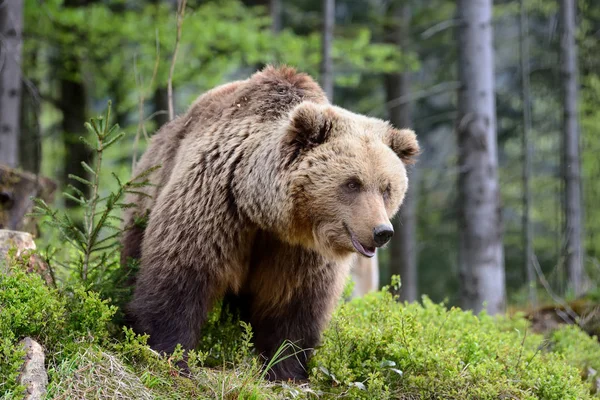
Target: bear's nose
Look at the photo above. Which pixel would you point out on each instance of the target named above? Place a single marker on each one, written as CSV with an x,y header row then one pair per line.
x,y
382,234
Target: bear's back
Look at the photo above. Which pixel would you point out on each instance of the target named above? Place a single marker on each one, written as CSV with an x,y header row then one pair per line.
x,y
266,96
269,94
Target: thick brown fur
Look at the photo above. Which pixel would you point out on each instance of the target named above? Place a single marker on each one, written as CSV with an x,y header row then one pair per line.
x,y
253,200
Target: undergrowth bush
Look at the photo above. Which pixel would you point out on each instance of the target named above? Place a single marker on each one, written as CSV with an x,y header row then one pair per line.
x,y
376,347
61,321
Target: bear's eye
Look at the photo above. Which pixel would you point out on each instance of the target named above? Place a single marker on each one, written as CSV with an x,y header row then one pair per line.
x,y
353,185
387,191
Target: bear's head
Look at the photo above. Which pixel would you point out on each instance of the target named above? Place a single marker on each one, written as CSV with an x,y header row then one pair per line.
x,y
348,177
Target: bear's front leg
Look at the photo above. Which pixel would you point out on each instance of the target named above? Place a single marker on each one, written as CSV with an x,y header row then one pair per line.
x,y
294,292
298,330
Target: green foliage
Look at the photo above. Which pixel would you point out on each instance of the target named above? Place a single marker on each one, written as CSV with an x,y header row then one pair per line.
x,y
232,34
225,339
578,349
378,348
61,321
93,255
375,347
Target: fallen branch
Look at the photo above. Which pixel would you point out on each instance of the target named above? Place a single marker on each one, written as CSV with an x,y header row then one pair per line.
x,y
33,374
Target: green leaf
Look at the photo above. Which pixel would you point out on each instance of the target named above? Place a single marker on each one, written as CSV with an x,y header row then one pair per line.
x,y
88,168
82,180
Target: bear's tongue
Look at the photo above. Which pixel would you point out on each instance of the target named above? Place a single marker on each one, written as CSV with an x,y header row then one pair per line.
x,y
365,251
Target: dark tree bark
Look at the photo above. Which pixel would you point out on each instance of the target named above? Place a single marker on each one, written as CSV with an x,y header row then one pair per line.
x,y
161,106
403,247
17,187
571,167
30,140
73,105
11,29
481,251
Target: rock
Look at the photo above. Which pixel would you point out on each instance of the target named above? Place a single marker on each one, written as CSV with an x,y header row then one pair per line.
x,y
20,240
24,241
33,373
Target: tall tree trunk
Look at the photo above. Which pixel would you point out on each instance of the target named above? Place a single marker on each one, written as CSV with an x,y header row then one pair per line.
x,y
30,140
365,273
481,252
527,152
275,11
161,97
571,154
403,247
327,45
73,104
11,29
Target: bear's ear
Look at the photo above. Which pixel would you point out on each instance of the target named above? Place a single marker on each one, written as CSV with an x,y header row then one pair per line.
x,y
310,125
404,143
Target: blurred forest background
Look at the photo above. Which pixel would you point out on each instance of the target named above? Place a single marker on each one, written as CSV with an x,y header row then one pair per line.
x,y
413,62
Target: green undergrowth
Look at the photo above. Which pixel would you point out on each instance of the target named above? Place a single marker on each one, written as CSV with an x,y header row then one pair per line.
x,y
377,348
374,348
62,321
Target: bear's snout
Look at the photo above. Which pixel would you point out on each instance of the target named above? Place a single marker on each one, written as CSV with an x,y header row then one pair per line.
x,y
382,234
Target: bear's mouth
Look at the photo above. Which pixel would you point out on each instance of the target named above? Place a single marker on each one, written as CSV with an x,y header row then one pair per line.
x,y
364,250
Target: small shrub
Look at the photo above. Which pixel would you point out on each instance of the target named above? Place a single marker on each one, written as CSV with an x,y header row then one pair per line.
x,y
92,259
578,349
376,347
58,320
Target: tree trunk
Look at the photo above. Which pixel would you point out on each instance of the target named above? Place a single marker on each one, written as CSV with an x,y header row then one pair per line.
x,y
161,105
11,28
480,251
527,152
403,247
161,96
275,11
30,138
73,106
571,158
327,44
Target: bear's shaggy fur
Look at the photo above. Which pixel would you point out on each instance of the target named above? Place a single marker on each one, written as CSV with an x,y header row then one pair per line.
x,y
265,194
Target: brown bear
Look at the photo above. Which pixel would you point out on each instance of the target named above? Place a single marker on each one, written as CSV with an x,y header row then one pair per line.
x,y
266,193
